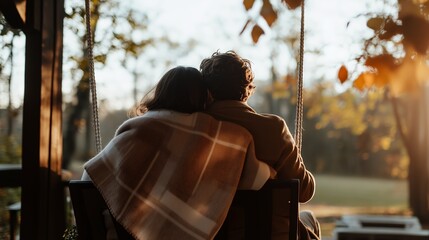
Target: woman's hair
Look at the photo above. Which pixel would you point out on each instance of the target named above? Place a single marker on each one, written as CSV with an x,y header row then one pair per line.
x,y
181,89
228,76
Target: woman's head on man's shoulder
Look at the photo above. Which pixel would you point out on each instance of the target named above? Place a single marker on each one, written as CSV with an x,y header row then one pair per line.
x,y
227,76
180,89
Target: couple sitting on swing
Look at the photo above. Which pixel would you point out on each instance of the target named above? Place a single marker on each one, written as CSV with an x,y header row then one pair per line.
x,y
172,171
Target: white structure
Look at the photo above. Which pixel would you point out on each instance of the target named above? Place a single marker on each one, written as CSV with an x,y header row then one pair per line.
x,y
374,227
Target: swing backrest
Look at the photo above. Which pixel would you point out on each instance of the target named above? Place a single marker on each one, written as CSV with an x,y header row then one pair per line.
x,y
90,210
252,211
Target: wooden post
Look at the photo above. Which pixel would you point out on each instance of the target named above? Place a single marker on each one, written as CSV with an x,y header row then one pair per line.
x,y
42,215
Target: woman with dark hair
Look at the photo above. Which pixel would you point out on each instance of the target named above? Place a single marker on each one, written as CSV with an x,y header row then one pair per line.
x,y
171,171
181,89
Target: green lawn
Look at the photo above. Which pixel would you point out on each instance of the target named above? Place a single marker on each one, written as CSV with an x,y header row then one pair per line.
x,y
360,192
340,195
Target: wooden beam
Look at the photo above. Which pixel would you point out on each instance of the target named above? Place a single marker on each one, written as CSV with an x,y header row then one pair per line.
x,y
42,215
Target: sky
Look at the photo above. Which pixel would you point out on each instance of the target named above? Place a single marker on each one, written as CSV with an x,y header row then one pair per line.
x,y
215,25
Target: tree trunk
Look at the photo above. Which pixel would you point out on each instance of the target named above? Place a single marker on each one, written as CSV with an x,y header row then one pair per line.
x,y
10,112
418,140
74,120
413,126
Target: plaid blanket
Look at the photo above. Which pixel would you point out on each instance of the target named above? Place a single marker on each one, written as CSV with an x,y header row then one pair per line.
x,y
167,175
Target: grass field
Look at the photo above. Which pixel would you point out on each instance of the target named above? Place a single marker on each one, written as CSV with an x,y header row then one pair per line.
x,y
341,195
360,192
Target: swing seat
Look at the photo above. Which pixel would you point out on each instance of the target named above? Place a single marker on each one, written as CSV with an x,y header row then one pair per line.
x,y
255,209
90,210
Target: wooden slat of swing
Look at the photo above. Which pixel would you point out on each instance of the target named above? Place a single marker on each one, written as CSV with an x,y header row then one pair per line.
x,y
89,206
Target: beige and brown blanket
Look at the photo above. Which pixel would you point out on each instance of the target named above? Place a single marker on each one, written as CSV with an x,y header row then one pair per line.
x,y
167,175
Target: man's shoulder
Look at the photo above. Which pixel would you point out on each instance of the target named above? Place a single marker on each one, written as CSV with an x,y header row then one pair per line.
x,y
272,117
237,109
224,122
267,119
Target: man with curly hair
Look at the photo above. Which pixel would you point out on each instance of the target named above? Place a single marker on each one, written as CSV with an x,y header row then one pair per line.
x,y
229,78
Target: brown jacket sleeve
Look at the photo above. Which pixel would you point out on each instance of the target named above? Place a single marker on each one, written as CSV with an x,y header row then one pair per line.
x,y
291,165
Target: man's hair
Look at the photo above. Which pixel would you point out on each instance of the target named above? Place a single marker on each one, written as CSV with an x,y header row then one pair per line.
x,y
227,76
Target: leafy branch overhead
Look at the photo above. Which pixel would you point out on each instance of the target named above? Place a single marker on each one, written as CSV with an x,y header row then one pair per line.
x,y
268,12
396,55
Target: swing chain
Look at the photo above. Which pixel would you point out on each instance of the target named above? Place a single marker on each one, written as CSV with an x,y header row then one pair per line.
x,y
300,100
92,85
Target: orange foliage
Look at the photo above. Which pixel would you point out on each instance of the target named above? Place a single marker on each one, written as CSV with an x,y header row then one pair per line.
x,y
248,4
381,61
257,31
343,74
363,81
403,67
268,13
375,23
292,4
400,77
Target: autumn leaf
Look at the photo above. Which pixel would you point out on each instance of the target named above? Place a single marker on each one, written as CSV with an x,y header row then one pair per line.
x,y
245,26
382,68
268,13
343,74
375,23
364,81
101,58
257,31
385,27
292,4
359,83
248,4
381,61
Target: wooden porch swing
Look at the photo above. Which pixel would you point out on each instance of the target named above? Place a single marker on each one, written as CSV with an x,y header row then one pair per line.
x,y
90,208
